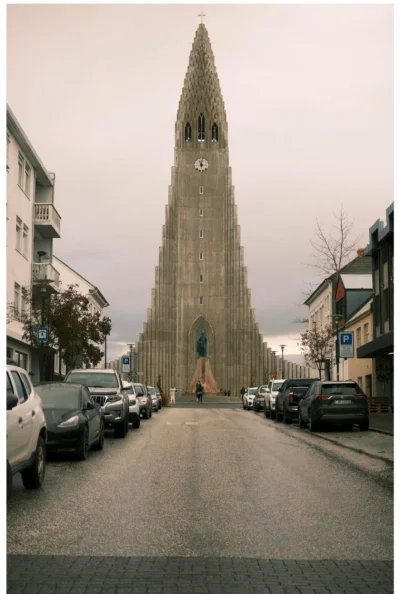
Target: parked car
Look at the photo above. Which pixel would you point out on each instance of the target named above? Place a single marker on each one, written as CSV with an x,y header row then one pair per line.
x,y
75,423
105,386
145,404
134,408
288,397
26,430
248,397
158,394
334,403
270,397
258,402
154,400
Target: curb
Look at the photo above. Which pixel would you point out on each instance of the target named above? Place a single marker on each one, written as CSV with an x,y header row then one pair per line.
x,y
358,450
381,431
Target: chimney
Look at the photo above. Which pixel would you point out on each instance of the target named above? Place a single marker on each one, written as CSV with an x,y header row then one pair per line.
x,y
360,251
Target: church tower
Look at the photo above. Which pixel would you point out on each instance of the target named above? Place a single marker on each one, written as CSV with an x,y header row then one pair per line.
x,y
201,305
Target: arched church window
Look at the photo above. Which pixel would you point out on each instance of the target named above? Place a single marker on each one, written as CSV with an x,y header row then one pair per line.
x,y
214,132
201,128
188,132
201,189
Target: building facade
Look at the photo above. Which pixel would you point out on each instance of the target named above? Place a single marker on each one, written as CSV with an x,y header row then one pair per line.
x,y
32,224
358,369
381,347
201,304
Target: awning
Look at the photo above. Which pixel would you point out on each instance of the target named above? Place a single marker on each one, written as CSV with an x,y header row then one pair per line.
x,y
378,347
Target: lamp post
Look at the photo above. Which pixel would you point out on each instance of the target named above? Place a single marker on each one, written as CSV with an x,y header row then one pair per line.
x,y
336,318
131,346
283,369
273,361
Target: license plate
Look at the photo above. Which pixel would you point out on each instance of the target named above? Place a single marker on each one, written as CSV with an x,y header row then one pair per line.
x,y
342,401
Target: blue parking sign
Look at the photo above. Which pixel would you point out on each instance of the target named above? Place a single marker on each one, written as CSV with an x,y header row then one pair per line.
x,y
346,345
126,363
43,334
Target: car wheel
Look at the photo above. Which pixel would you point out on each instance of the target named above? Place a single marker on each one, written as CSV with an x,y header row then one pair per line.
x,y
33,477
301,423
244,408
364,425
286,419
99,445
312,425
83,448
136,424
9,480
271,413
120,430
266,412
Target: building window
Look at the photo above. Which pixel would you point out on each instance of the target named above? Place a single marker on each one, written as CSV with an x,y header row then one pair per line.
x,y
201,256
214,132
360,382
20,170
17,293
18,229
27,178
201,278
201,128
21,359
24,300
201,300
366,333
9,353
188,132
358,337
25,234
201,234
201,190
201,212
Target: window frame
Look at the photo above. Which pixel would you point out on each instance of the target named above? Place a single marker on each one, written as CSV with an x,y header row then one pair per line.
x,y
17,292
358,337
201,212
201,300
21,169
18,231
15,374
27,178
201,234
25,239
201,278
201,190
201,256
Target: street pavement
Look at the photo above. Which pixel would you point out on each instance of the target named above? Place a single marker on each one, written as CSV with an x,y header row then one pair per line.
x,y
206,500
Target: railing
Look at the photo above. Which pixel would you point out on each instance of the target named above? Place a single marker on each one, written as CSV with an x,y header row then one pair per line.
x,y
44,271
45,212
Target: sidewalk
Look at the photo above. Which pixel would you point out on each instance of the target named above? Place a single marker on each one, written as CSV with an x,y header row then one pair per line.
x,y
381,422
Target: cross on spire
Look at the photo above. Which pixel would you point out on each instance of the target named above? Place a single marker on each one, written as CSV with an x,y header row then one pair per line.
x,y
201,15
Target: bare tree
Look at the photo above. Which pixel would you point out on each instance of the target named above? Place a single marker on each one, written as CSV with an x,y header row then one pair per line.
x,y
316,346
333,251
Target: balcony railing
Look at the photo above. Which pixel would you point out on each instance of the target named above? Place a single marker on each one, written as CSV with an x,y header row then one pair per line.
x,y
45,272
47,217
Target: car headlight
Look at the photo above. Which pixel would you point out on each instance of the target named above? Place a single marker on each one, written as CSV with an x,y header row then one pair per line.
x,y
72,422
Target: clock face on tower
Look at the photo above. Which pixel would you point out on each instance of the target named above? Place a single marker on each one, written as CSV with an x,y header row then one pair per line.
x,y
201,164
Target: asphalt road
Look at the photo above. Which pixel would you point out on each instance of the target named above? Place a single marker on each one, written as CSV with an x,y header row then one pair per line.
x,y
207,482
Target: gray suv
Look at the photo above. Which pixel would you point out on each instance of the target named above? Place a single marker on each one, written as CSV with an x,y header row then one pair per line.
x,y
145,404
105,386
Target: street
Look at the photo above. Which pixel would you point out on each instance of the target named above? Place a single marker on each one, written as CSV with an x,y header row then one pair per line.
x,y
211,484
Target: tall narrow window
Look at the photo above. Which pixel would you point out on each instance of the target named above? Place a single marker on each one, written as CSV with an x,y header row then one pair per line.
x,y
201,234
24,300
201,190
188,132
201,300
214,132
358,337
201,278
20,170
27,178
201,212
201,128
25,234
201,256
18,228
17,292
366,333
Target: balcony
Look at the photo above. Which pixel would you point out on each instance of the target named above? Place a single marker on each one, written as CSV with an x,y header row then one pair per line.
x,y
44,273
47,220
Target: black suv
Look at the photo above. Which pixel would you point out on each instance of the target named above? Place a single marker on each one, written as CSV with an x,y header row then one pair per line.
x,y
334,403
288,397
105,387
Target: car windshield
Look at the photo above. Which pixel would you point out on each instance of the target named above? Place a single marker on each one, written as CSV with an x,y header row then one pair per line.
x,y
252,391
151,391
350,388
275,386
93,380
60,396
300,383
129,390
263,389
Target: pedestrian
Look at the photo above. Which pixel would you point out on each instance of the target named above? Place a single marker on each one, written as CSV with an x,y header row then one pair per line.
x,y
229,393
172,395
242,391
199,392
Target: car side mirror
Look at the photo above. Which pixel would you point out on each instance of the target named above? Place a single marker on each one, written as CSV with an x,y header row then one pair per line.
x,y
90,406
12,400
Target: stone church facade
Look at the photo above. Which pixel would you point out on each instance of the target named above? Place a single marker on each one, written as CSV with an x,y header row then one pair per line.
x,y
201,281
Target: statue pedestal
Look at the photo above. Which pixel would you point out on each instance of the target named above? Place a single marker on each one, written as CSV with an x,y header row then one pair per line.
x,y
203,374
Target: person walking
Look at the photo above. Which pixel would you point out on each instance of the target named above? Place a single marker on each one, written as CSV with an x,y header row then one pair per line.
x,y
199,392
242,391
172,393
229,393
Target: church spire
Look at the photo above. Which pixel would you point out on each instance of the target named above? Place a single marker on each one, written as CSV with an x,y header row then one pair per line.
x,y
201,92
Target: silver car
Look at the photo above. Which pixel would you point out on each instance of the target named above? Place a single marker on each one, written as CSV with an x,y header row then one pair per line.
x,y
134,407
248,397
270,397
154,400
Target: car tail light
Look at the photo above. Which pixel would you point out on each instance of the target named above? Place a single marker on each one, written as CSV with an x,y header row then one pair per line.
x,y
291,396
321,396
361,395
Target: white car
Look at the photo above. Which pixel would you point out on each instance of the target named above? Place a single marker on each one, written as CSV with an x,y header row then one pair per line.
x,y
26,430
248,397
134,407
270,397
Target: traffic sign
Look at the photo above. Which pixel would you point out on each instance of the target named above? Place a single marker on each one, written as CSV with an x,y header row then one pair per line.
x,y
43,334
346,345
126,363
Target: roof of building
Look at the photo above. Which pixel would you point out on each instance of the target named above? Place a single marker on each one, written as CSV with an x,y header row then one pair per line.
x,y
94,291
362,309
44,177
378,231
357,281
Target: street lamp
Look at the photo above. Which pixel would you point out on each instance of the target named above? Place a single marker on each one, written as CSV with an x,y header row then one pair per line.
x,y
283,370
274,366
131,346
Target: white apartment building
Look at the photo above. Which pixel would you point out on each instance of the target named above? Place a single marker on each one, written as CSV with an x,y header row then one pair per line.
x,y
32,224
69,276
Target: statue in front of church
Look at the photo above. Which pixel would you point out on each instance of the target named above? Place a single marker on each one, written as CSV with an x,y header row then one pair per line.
x,y
201,345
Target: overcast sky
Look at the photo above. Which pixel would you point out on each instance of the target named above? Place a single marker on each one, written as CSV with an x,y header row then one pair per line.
x,y
308,92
